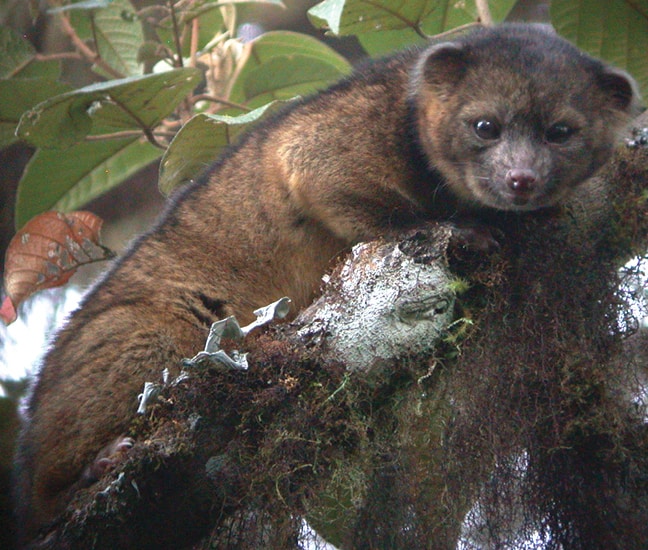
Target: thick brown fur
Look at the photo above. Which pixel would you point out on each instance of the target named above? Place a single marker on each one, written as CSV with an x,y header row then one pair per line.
x,y
392,146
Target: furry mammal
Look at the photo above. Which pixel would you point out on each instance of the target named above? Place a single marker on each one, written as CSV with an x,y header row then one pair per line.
x,y
511,118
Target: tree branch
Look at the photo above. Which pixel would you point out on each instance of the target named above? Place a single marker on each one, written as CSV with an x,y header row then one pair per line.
x,y
430,394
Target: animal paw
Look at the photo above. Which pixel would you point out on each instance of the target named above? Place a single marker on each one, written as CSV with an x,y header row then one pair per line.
x,y
109,457
474,238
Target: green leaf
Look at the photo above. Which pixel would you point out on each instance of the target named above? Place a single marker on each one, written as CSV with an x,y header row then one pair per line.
x,y
200,141
19,94
281,43
16,52
198,9
129,103
88,5
382,43
500,9
614,30
284,64
67,182
361,16
18,59
119,36
117,32
383,26
288,76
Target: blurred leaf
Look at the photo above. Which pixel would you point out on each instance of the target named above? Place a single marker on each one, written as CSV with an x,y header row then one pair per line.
x,y
288,76
614,30
385,42
150,52
88,5
119,36
67,182
117,30
211,24
47,251
17,95
15,52
80,19
134,102
200,141
34,9
18,59
211,21
284,64
201,7
282,43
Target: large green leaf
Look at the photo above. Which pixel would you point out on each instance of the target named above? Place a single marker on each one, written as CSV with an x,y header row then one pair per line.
x,y
199,8
85,171
115,27
19,94
362,16
280,43
382,43
284,64
81,16
18,59
119,35
287,76
129,103
383,25
200,141
448,15
615,30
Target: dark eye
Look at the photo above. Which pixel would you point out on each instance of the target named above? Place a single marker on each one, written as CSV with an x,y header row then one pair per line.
x,y
559,133
487,129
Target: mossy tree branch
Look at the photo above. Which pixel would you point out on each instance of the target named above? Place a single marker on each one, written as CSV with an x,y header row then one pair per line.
x,y
518,422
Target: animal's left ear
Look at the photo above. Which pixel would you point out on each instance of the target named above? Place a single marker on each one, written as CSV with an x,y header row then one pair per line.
x,y
622,90
442,67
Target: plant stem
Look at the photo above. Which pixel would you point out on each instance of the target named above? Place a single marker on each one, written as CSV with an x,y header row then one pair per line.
x,y
484,13
85,50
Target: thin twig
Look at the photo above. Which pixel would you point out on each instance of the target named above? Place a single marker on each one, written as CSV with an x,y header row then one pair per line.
x,y
43,57
56,56
456,30
483,11
128,134
195,34
176,35
84,50
418,30
147,131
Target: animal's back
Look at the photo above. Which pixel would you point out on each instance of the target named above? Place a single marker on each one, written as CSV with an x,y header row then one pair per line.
x,y
231,243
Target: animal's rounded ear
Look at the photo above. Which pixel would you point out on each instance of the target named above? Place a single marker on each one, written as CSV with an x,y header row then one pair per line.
x,y
622,90
442,66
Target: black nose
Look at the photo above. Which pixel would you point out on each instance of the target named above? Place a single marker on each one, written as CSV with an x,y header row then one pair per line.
x,y
521,180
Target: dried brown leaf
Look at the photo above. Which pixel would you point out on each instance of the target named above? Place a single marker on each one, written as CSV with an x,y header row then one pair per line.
x,y
47,251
